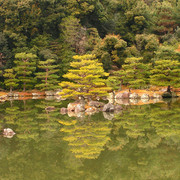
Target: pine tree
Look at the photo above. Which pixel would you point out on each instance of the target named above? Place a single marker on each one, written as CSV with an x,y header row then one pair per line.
x,y
166,73
134,73
48,77
86,79
25,66
10,79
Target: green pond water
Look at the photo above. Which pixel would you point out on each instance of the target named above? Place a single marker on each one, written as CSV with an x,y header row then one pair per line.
x,y
139,143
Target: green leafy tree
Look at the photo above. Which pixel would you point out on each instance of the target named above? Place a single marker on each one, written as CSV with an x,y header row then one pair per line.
x,y
166,73
70,26
86,78
164,20
10,79
147,44
135,73
25,66
49,80
111,51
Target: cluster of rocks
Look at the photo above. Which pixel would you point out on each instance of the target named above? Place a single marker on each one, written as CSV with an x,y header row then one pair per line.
x,y
127,95
91,108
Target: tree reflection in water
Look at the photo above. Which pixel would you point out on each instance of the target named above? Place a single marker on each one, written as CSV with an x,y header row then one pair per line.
x,y
143,142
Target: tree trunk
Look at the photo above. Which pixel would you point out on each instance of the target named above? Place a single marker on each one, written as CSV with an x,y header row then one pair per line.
x,y
113,96
46,78
24,87
169,89
10,89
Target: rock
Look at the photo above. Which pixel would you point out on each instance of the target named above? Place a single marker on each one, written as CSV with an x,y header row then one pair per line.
x,y
49,93
50,108
73,114
110,98
156,96
35,94
134,101
108,116
96,104
124,95
108,108
167,95
3,97
79,108
9,133
71,107
16,95
10,94
91,109
122,101
134,96
145,96
63,110
145,100
118,108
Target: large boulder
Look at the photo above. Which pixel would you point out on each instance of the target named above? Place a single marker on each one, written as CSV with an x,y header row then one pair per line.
x,y
156,96
108,116
91,109
145,96
49,93
108,108
71,106
10,94
122,101
96,104
134,101
134,96
79,108
167,95
124,95
3,97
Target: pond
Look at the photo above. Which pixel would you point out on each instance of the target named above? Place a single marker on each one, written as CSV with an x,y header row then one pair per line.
x,y
141,142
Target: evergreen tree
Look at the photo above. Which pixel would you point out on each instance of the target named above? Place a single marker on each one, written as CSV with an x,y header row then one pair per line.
x,y
135,73
10,79
49,80
25,66
166,73
86,79
165,22
111,51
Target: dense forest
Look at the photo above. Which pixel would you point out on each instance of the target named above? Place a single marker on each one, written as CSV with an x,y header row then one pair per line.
x,y
137,41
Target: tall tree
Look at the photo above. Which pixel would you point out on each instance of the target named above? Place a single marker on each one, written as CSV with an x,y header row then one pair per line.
x,y
166,73
10,79
49,80
25,66
86,79
111,51
135,73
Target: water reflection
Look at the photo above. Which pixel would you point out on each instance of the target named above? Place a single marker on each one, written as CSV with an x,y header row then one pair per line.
x,y
86,136
143,142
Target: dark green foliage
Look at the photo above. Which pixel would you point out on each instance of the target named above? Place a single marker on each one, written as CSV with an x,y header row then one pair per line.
x,y
166,73
10,79
48,76
111,29
135,73
25,66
